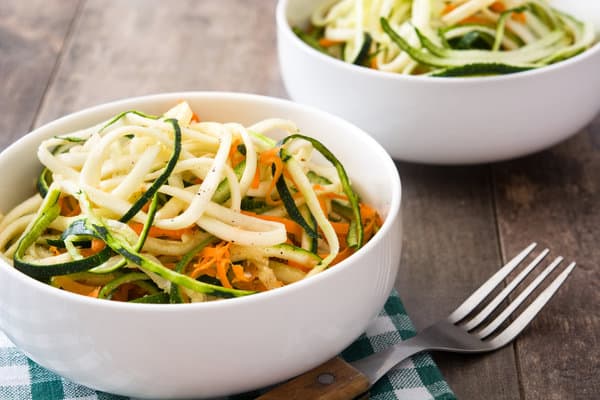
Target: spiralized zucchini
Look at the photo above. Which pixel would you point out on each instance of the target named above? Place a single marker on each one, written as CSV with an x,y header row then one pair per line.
x,y
174,209
447,37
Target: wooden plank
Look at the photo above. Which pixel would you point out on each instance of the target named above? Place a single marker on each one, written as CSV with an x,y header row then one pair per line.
x,y
553,198
450,247
32,34
132,48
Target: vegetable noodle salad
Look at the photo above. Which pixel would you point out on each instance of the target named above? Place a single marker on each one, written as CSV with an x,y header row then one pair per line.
x,y
447,38
174,209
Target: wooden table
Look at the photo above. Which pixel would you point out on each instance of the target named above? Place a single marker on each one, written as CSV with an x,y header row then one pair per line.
x,y
461,223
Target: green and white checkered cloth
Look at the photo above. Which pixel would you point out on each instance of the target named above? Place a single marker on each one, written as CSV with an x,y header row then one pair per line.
x,y
417,378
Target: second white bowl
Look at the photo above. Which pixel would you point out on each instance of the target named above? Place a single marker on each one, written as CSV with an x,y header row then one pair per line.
x,y
444,120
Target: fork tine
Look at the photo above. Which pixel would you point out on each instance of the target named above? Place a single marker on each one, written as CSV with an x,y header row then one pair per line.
x,y
484,290
483,314
492,326
532,310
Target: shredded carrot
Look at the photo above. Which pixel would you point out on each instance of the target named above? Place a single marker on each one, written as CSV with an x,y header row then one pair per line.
x,y
498,7
222,267
160,232
301,267
122,292
341,228
370,219
214,261
519,17
96,246
342,255
449,7
73,286
291,226
69,207
366,211
269,158
335,196
369,229
203,268
474,19
373,63
329,42
234,155
55,250
256,180
240,275
195,117
323,204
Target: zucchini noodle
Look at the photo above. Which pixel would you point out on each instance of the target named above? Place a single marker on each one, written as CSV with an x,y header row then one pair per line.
x,y
173,209
446,37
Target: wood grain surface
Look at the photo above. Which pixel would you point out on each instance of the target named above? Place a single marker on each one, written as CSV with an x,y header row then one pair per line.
x,y
32,35
460,223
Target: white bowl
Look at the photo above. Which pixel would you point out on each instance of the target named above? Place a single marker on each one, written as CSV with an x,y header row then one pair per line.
x,y
445,120
206,349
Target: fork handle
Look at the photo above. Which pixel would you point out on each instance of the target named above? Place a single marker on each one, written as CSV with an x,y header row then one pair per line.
x,y
333,380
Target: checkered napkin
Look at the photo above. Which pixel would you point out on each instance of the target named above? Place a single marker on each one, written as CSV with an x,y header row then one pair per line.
x,y
417,378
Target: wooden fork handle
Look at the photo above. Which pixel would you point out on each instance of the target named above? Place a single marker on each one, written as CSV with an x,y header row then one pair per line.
x,y
333,380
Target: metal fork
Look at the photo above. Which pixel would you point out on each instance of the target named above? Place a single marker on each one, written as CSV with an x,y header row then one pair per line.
x,y
463,331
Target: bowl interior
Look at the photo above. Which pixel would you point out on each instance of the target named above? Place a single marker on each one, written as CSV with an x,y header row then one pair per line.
x,y
298,12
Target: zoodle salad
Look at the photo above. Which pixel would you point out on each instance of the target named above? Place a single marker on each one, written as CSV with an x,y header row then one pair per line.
x,y
446,37
173,209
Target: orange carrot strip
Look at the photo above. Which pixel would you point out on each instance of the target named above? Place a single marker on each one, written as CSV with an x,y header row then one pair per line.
x,y
122,292
291,226
341,228
366,211
96,246
342,255
329,42
373,63
195,117
74,205
70,285
498,7
234,145
201,269
68,206
519,17
222,267
55,250
239,273
335,196
213,257
323,205
256,180
216,251
475,20
448,8
299,266
157,232
271,157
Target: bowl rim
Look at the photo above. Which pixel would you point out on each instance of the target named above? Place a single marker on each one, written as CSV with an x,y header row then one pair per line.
x,y
394,209
285,29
